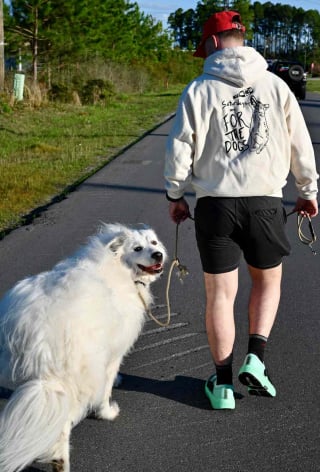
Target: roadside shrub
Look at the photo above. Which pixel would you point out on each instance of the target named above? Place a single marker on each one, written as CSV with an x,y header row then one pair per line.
x,y
96,91
61,92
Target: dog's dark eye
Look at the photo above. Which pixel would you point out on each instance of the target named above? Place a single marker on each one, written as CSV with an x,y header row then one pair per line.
x,y
138,248
154,242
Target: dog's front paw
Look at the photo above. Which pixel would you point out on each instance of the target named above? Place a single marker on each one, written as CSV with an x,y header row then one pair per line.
x,y
109,411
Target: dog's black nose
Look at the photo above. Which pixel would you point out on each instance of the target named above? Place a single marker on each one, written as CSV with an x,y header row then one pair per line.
x,y
157,256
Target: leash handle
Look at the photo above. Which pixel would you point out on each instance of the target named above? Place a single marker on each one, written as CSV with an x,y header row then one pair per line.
x,y
303,238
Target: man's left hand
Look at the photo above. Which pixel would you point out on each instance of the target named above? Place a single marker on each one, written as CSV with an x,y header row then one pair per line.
x,y
179,211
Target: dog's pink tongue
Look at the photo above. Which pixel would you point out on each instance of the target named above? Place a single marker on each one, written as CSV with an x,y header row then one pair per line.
x,y
155,267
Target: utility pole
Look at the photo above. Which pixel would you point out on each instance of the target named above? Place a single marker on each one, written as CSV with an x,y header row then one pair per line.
x,y
1,48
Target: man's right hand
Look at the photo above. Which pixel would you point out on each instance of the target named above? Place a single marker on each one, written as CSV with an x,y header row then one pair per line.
x,y
306,207
179,211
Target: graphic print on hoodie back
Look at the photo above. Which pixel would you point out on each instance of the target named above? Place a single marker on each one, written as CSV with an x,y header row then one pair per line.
x,y
240,133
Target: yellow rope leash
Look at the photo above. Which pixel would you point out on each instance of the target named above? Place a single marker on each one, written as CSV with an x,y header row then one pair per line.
x,y
183,271
303,238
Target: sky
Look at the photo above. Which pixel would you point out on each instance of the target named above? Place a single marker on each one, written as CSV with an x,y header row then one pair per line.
x,y
160,9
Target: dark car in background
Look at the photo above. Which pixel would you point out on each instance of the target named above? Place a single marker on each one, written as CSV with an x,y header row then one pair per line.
x,y
292,72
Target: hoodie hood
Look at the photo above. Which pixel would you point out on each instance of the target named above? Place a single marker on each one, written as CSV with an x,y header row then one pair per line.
x,y
239,66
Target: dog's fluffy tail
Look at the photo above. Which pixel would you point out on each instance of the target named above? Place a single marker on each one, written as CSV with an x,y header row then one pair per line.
x,y
31,423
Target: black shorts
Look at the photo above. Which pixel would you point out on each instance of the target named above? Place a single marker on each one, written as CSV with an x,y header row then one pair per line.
x,y
228,227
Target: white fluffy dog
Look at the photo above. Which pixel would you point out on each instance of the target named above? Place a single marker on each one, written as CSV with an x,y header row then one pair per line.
x,y
63,335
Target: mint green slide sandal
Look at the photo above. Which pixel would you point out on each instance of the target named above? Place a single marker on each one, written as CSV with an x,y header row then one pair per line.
x,y
221,396
254,375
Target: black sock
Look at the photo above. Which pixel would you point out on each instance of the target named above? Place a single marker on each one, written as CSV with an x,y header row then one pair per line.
x,y
224,372
257,345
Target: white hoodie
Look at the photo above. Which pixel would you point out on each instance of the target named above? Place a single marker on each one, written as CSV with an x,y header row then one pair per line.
x,y
238,132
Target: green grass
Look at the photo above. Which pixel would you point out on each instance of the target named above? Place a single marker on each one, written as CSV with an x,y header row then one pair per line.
x,y
313,85
45,150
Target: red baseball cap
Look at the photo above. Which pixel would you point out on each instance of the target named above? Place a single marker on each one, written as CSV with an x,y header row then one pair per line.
x,y
217,23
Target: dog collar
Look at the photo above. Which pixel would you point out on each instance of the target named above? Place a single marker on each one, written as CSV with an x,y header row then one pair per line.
x,y
139,282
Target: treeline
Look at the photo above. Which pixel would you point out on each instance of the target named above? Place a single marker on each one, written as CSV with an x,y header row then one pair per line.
x,y
284,30
92,49
59,31
273,29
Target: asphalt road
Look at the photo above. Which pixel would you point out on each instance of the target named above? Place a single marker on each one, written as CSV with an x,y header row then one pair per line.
x,y
166,423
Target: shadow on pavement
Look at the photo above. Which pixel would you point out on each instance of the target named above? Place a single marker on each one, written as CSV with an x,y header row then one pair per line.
x,y
186,390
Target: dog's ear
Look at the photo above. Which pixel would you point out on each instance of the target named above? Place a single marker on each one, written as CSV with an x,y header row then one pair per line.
x,y
116,243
